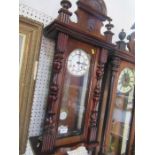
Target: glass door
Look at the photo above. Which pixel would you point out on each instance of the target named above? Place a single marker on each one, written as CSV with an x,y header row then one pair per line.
x,y
122,113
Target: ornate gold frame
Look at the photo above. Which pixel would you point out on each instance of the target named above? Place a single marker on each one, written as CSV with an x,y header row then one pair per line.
x,y
32,32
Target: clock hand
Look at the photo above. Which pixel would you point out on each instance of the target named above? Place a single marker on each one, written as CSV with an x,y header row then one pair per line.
x,y
79,55
81,63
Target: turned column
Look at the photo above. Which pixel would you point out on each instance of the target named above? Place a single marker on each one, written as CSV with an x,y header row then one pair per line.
x,y
96,95
50,124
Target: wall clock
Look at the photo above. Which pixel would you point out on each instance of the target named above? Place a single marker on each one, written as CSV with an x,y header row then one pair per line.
x,y
80,56
121,110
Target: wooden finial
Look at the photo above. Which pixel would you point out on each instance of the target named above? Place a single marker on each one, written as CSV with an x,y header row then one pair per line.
x,y
121,45
122,35
108,33
64,13
109,26
66,4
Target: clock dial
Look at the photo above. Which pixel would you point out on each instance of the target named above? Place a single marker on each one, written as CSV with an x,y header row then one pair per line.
x,y
126,80
63,115
78,62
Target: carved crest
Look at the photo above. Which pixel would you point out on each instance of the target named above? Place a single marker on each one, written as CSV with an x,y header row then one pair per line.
x,y
98,5
91,14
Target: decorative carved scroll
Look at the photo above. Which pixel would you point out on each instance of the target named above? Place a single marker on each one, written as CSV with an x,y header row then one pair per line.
x,y
50,128
98,5
91,14
96,96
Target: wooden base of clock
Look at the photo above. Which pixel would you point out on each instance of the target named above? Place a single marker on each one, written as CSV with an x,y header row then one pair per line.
x,y
60,150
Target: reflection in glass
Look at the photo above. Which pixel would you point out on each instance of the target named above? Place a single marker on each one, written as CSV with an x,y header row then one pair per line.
x,y
122,116
73,106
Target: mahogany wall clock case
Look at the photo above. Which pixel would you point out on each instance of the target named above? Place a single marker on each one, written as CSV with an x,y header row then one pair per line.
x,y
82,57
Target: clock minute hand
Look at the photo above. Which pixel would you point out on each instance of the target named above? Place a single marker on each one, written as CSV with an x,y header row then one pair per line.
x,y
80,63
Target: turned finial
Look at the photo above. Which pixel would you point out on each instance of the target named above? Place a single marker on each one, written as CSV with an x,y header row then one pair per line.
x,y
64,13
121,44
122,35
66,4
108,34
109,26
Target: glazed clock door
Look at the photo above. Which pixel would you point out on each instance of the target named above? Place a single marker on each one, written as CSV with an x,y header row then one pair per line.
x,y
74,93
122,112
75,99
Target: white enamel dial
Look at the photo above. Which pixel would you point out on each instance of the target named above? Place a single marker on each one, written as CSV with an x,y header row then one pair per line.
x,y
63,115
126,80
78,62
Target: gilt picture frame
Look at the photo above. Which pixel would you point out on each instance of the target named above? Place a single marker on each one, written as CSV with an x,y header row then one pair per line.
x,y
30,33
